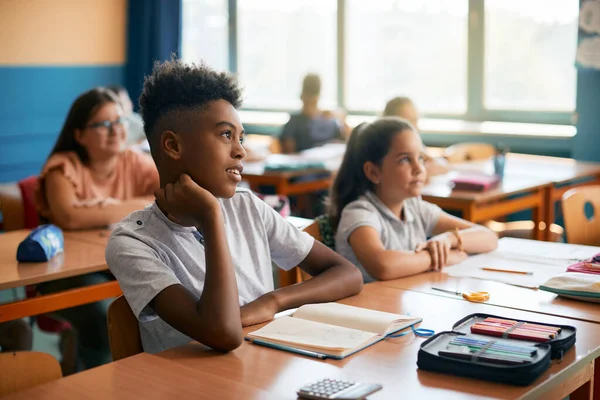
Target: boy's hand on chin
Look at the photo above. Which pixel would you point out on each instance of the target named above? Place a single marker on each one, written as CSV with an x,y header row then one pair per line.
x,y
186,202
260,310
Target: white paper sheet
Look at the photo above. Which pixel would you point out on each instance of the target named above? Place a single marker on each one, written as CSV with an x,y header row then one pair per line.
x,y
543,259
472,268
547,251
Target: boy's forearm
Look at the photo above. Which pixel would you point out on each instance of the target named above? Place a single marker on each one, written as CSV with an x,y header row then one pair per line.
x,y
335,283
219,302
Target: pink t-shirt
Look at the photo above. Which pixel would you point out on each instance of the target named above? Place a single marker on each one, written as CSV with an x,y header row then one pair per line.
x,y
135,176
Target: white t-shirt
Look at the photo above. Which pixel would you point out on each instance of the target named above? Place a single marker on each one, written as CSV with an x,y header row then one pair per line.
x,y
420,218
147,253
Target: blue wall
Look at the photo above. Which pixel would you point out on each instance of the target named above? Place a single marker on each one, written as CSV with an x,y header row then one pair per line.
x,y
33,106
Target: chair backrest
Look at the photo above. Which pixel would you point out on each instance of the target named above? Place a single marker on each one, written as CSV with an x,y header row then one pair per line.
x,y
123,330
580,229
11,207
28,185
17,204
315,231
464,152
24,369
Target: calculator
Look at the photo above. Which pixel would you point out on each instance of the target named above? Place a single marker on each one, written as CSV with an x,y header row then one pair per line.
x,y
337,389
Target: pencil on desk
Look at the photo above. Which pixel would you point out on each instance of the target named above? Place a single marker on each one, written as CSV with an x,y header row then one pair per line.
x,y
507,270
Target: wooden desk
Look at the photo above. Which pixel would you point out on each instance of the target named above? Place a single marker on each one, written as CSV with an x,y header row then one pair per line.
x,y
492,204
561,175
80,257
144,376
256,176
392,362
501,295
94,236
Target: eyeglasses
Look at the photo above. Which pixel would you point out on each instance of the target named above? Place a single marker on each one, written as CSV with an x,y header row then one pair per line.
x,y
107,126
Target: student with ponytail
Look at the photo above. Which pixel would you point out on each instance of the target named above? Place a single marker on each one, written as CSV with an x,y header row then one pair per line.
x,y
382,223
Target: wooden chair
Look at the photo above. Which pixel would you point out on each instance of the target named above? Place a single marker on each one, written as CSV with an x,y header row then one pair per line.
x,y
464,152
123,330
314,231
11,206
24,369
579,228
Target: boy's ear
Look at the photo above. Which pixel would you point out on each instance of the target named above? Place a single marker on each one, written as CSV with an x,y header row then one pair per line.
x,y
171,144
372,172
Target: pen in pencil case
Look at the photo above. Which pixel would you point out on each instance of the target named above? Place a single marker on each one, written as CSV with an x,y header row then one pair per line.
x,y
484,358
528,350
516,334
528,325
473,339
485,351
522,327
515,329
494,350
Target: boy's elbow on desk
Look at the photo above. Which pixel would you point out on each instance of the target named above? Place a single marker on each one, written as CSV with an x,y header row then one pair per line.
x,y
225,340
354,281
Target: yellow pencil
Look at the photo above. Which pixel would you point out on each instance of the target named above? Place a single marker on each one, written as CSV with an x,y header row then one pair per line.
x,y
507,270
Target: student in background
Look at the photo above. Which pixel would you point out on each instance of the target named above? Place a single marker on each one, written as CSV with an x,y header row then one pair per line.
x,y
90,181
403,107
312,127
382,222
197,263
135,125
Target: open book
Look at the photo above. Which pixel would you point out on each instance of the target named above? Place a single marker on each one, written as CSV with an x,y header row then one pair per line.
x,y
330,330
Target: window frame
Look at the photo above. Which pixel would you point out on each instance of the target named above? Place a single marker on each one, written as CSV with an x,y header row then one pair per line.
x,y
476,111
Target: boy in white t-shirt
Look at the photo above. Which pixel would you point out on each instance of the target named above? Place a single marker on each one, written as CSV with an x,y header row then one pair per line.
x,y
197,263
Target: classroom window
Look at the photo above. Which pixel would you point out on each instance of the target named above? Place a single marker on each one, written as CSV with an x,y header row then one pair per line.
x,y
205,32
407,48
480,60
281,41
529,54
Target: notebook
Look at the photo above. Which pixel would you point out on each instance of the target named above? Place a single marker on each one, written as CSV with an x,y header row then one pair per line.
x,y
477,183
330,330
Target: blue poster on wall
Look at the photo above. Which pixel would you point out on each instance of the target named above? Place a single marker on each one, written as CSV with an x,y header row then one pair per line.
x,y
588,48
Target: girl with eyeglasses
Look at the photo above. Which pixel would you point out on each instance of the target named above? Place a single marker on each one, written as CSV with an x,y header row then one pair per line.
x,y
91,180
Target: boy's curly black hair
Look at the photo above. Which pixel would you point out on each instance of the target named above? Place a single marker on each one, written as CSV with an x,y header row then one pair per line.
x,y
175,86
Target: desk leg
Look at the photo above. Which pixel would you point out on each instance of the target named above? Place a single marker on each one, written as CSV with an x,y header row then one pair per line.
x,y
586,391
467,213
549,211
539,215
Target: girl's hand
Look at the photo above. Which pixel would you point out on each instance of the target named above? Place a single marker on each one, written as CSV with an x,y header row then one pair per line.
x,y
456,257
439,249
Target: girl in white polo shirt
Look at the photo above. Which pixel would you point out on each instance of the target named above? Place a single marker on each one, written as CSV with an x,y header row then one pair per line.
x,y
382,223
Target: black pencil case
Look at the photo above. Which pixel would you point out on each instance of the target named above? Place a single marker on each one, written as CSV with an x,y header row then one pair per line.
x,y
428,358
